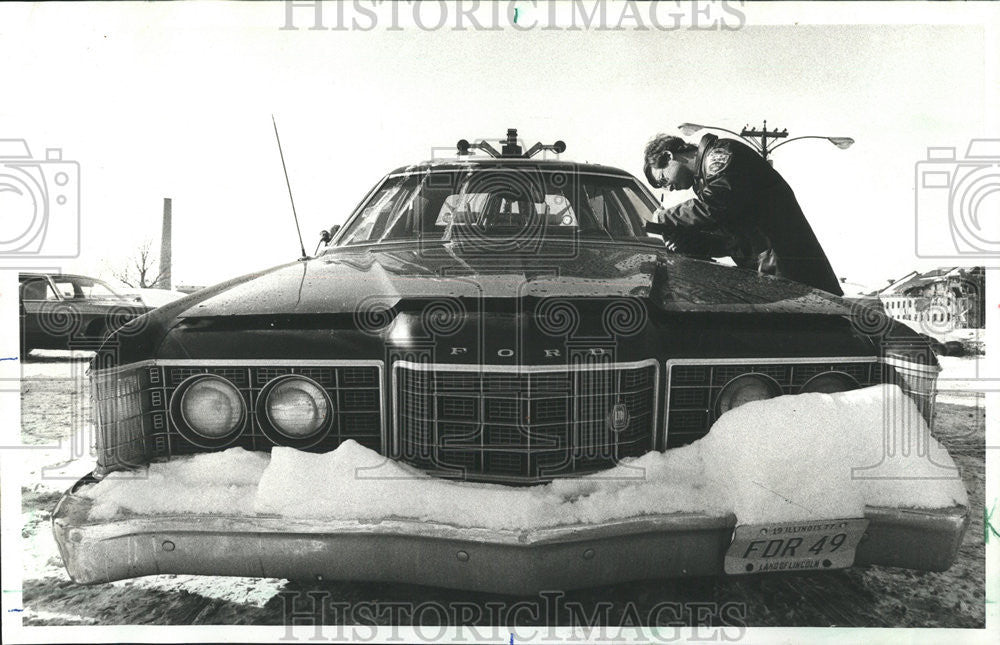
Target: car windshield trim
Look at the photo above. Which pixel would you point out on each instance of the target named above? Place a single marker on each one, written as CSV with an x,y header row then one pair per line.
x,y
361,246
432,171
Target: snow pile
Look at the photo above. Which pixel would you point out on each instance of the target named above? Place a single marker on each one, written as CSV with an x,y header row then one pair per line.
x,y
817,455
220,482
791,458
353,482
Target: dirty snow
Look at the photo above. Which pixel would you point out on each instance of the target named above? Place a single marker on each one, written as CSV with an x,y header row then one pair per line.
x,y
786,459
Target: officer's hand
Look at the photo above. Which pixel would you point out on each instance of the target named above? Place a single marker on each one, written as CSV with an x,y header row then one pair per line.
x,y
691,243
659,216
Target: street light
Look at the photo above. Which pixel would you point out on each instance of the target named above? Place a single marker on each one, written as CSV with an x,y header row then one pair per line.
x,y
760,140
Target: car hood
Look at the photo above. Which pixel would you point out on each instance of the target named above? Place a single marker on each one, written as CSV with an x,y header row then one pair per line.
x,y
344,280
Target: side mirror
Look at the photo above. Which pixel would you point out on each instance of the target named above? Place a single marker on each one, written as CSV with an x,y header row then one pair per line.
x,y
325,236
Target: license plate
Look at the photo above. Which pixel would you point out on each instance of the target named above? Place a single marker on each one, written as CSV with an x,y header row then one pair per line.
x,y
794,546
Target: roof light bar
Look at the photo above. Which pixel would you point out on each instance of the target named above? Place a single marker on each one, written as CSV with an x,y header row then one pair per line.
x,y
509,147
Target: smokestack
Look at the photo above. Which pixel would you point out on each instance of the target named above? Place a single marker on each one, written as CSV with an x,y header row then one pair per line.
x,y
164,281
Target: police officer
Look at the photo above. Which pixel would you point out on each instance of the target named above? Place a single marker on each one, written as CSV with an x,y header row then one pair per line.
x,y
744,210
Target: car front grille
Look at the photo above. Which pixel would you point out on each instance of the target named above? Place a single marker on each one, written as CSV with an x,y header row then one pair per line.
x,y
133,407
516,425
695,385
522,424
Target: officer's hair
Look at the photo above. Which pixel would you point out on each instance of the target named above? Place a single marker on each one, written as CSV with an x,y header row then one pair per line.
x,y
658,152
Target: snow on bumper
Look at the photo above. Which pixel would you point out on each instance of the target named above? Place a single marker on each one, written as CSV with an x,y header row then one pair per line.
x,y
518,562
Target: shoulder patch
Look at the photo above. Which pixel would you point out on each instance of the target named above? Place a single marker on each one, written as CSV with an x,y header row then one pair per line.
x,y
717,160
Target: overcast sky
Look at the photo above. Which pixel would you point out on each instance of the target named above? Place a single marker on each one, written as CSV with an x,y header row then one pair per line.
x,y
175,100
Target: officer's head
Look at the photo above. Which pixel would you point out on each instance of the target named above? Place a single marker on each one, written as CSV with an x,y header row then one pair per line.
x,y
669,162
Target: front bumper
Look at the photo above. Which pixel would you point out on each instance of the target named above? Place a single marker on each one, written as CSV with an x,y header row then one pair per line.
x,y
514,562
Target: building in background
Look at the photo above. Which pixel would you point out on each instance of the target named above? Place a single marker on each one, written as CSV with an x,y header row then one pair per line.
x,y
951,297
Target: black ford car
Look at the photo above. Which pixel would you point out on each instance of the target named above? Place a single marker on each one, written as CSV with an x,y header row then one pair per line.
x,y
505,320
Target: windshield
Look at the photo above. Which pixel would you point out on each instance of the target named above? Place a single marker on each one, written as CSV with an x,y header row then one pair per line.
x,y
501,203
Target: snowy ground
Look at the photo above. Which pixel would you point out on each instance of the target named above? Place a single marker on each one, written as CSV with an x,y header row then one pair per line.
x,y
54,402
946,333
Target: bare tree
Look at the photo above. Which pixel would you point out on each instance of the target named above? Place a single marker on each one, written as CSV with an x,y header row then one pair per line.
x,y
142,271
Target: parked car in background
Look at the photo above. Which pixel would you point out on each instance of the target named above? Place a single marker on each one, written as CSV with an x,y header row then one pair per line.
x,y
502,320
66,311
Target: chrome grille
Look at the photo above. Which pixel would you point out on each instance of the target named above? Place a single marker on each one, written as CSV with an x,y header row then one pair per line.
x,y
134,422
118,410
692,388
522,424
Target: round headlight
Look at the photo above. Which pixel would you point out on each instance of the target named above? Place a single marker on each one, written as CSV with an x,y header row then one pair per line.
x,y
297,407
211,406
830,382
746,388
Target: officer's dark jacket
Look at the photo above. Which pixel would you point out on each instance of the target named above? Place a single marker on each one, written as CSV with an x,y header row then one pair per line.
x,y
741,194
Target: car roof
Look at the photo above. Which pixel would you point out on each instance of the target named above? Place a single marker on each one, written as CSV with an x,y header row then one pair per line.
x,y
30,274
492,163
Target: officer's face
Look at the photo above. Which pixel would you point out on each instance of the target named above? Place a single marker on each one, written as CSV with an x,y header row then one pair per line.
x,y
675,175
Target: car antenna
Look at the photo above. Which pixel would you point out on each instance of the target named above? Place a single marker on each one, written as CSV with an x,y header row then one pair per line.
x,y
289,184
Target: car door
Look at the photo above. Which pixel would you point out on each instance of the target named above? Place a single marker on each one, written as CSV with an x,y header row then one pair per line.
x,y
90,314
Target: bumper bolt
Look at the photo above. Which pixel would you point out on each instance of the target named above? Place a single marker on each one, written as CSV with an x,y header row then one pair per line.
x,y
588,554
76,536
462,556
168,545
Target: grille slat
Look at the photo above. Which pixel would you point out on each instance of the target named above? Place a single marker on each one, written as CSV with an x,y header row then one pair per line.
x,y
522,426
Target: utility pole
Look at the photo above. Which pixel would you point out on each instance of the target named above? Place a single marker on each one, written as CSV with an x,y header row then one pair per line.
x,y
763,140
762,136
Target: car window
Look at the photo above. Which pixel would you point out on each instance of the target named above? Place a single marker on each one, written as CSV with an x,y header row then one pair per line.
x,y
385,205
96,289
471,208
502,203
65,288
87,288
37,289
639,202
